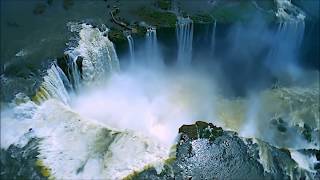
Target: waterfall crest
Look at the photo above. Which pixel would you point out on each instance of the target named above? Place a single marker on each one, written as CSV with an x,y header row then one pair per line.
x,y
185,37
131,48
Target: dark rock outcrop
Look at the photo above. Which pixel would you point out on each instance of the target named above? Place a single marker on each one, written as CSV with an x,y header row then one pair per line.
x,y
205,151
21,162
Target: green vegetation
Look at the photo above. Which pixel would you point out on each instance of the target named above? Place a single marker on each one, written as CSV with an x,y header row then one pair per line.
x,y
164,4
45,171
157,18
136,173
116,36
201,130
202,18
241,11
139,30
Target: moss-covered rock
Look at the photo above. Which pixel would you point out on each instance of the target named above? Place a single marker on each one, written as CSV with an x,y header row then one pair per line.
x,y
201,130
140,31
205,151
44,170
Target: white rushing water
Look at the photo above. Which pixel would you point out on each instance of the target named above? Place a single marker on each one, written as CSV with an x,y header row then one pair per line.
x,y
74,146
213,37
53,86
288,38
73,71
185,37
130,119
131,48
306,162
99,56
152,48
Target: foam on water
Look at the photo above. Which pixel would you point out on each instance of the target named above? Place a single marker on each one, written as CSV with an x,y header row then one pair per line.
x,y
304,161
75,147
150,103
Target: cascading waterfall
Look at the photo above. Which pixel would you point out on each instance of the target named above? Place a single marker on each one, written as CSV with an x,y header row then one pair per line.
x,y
53,86
152,49
185,37
98,54
75,145
174,7
213,37
73,71
102,151
290,30
131,48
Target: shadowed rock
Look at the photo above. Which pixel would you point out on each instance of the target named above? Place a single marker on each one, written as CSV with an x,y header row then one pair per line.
x,y
205,151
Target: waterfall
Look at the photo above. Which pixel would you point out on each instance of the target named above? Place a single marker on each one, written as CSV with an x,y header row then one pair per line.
x,y
53,86
288,37
174,7
97,57
73,71
131,48
97,52
152,49
73,146
213,37
185,37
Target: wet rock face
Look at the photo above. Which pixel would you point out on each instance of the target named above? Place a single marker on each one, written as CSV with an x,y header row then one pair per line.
x,y
225,158
200,130
205,151
20,162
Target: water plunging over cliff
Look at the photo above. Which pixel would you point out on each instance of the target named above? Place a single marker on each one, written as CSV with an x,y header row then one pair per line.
x,y
88,149
185,37
131,48
152,48
213,37
99,58
288,37
53,86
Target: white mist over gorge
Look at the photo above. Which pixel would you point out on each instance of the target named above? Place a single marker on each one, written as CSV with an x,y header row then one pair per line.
x,y
164,92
